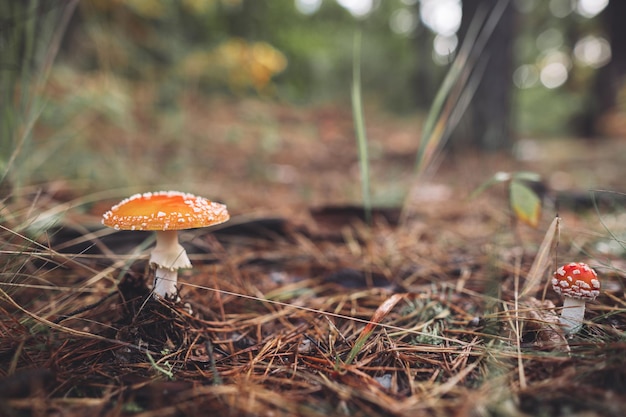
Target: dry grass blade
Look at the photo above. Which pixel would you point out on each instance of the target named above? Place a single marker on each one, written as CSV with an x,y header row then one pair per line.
x,y
73,332
380,313
542,259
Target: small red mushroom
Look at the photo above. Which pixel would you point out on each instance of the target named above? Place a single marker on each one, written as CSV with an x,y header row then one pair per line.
x,y
577,283
165,212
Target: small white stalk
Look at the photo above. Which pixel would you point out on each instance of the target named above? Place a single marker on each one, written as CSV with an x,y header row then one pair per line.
x,y
168,256
572,315
165,281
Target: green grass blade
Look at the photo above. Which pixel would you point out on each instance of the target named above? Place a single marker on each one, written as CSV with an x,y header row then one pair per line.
x,y
359,125
458,86
432,132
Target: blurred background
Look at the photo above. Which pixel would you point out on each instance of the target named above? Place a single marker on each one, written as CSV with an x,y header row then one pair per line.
x,y
207,95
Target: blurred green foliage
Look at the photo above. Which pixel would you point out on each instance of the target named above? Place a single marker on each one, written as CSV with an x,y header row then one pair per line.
x,y
119,56
30,35
242,46
273,50
542,38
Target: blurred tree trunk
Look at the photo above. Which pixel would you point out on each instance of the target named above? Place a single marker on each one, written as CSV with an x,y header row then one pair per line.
x,y
246,19
487,122
612,77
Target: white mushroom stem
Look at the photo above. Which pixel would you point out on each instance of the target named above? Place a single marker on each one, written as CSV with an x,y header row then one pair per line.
x,y
168,256
165,282
572,315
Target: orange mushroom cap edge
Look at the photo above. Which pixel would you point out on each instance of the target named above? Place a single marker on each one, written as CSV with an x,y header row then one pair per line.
x,y
165,210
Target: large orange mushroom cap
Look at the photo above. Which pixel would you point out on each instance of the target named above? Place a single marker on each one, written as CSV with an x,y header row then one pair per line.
x,y
165,210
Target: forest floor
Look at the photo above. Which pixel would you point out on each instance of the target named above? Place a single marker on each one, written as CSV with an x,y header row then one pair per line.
x,y
297,306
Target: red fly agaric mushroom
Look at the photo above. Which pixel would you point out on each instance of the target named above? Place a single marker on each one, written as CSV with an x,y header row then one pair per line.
x,y
165,212
577,283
